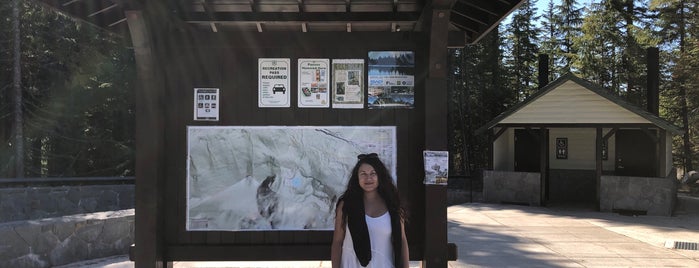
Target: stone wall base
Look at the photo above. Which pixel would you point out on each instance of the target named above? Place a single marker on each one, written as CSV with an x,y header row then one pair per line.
x,y
63,240
655,196
512,187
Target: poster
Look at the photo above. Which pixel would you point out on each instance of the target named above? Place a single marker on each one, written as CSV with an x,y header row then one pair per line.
x,y
206,104
391,79
436,167
250,178
313,83
348,83
273,83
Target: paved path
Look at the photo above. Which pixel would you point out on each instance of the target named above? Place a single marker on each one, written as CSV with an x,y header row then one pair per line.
x,y
491,235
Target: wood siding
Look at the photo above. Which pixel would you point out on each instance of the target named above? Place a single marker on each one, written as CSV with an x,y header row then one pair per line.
x,y
581,149
572,103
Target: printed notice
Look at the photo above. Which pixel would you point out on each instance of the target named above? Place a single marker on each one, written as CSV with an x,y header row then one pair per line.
x,y
348,83
436,167
313,83
273,83
206,104
391,79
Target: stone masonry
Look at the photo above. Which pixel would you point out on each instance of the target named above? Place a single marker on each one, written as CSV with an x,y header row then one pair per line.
x,y
62,240
28,203
511,187
655,196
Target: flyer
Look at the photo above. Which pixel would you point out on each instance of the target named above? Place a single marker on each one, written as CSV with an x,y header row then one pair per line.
x,y
273,83
313,83
206,104
348,83
436,167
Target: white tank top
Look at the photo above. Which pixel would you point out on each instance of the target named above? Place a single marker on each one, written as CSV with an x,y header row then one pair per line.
x,y
381,247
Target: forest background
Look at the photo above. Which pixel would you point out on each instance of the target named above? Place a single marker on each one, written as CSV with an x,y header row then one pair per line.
x,y
68,110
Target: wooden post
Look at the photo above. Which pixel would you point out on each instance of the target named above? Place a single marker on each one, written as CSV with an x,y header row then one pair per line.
x,y
660,154
543,164
598,164
149,147
435,251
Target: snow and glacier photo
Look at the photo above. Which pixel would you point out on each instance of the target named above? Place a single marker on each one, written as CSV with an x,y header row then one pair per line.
x,y
248,178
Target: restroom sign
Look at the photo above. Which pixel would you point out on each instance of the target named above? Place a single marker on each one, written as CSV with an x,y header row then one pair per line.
x,y
206,104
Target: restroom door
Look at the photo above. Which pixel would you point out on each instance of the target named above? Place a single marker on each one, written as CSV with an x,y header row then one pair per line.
x,y
636,154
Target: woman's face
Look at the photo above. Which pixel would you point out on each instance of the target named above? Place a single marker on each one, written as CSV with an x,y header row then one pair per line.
x,y
368,179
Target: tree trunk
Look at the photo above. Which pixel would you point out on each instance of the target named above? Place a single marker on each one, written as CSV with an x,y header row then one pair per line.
x,y
17,89
684,111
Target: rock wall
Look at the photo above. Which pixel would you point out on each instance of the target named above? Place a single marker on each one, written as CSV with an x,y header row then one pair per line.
x,y
511,187
28,203
655,196
62,240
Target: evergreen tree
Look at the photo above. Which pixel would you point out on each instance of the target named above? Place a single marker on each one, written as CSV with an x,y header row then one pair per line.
x,y
612,47
549,41
477,94
522,43
677,26
569,19
76,85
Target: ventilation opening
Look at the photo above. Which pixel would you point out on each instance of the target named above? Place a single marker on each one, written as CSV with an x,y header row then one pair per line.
x,y
682,245
629,212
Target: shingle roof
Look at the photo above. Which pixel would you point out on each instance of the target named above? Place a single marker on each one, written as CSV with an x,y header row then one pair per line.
x,y
657,121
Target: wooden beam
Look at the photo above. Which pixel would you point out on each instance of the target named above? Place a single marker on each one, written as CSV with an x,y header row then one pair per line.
x,y
598,164
543,164
500,131
149,156
650,134
610,134
435,234
201,17
662,147
102,10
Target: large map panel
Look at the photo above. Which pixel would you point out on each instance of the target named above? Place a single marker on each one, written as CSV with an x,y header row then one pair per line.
x,y
242,178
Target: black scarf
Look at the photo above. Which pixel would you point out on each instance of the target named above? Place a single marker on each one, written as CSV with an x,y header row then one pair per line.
x,y
356,222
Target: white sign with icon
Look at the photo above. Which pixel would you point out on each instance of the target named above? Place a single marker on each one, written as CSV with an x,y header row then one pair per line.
x,y
273,83
206,104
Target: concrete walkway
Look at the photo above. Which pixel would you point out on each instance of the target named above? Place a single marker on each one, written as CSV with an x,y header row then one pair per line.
x,y
492,235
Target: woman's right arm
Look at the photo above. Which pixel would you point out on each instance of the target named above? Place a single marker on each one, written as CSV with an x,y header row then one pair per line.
x,y
338,237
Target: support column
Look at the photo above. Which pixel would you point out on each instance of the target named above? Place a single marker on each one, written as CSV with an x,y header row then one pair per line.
x,y
435,251
598,164
148,251
543,165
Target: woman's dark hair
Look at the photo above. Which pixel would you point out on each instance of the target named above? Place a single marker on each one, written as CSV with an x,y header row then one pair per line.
x,y
354,214
353,196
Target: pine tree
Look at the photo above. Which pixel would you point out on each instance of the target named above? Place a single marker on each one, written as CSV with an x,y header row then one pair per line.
x,y
549,41
677,25
522,42
569,17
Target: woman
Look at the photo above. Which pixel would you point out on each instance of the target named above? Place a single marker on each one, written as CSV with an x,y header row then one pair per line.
x,y
369,220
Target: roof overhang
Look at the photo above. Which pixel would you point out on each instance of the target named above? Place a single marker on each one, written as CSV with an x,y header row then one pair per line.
x,y
470,20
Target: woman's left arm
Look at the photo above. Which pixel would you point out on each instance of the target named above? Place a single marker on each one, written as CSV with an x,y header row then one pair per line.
x,y
404,247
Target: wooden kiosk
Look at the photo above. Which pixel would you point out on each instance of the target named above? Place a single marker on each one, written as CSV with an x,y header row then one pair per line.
x,y
181,45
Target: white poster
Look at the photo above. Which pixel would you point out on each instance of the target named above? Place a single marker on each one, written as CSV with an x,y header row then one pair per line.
x,y
313,83
436,167
348,83
273,83
247,178
206,104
